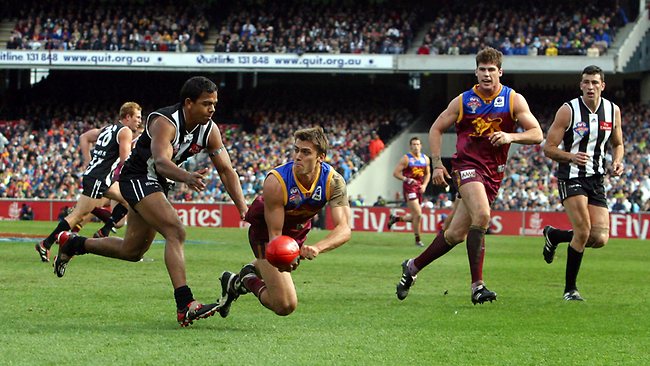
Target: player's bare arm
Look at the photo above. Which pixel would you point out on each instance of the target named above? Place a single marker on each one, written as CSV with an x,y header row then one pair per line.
x,y
401,165
340,210
532,133
554,138
162,134
273,206
444,121
617,143
221,161
125,140
85,141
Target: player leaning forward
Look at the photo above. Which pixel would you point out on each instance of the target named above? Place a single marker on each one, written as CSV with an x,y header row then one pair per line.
x,y
486,118
172,135
293,194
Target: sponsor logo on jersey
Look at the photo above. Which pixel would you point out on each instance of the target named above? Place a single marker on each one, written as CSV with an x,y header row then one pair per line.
x,y
467,174
195,149
581,129
605,126
500,101
318,194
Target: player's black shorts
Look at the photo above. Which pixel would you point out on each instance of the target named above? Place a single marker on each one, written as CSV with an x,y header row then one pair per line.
x,y
593,187
135,189
93,187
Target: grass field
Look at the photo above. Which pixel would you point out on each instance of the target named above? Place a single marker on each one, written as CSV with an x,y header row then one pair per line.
x,y
106,312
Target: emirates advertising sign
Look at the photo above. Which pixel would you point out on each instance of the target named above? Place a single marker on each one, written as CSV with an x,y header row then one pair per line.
x,y
369,219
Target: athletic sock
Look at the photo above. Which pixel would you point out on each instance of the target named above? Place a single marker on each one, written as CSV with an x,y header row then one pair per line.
x,y
119,211
573,261
476,252
62,226
558,236
101,213
255,285
183,296
435,250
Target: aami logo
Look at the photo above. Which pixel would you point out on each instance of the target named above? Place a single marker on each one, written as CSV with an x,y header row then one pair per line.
x,y
500,101
466,174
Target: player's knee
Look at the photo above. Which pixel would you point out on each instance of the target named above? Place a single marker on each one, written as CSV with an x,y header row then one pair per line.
x,y
133,257
481,219
174,233
598,239
453,237
284,308
581,234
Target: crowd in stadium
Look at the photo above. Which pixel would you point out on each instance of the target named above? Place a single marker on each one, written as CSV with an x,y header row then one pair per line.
x,y
321,27
46,163
563,29
40,162
295,27
62,25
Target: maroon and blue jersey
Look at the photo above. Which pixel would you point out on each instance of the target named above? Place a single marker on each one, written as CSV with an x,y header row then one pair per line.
x,y
301,204
479,117
416,169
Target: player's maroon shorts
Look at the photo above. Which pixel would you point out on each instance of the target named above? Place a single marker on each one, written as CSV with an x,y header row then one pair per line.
x,y
412,192
258,236
471,174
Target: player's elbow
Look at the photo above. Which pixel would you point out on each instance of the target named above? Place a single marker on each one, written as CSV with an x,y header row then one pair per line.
x,y
547,150
538,137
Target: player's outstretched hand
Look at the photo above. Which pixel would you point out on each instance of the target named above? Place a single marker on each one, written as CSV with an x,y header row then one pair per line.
x,y
309,252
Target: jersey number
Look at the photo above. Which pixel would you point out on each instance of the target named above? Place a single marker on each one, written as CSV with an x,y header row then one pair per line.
x,y
103,140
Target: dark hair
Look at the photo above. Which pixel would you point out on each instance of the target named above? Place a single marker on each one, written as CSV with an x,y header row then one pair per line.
x,y
413,139
315,135
489,55
195,86
593,70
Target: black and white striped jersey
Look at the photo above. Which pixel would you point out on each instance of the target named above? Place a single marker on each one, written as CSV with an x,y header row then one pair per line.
x,y
185,144
106,154
588,132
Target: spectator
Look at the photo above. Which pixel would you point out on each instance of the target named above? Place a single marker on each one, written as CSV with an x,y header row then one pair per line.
x,y
381,202
551,49
26,212
593,51
376,145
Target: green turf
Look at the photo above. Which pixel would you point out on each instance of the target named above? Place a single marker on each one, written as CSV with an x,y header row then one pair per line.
x,y
106,312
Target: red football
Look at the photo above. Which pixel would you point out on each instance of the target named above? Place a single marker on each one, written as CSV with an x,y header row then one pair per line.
x,y
282,251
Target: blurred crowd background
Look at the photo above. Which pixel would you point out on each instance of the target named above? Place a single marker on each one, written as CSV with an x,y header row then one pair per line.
x,y
40,126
